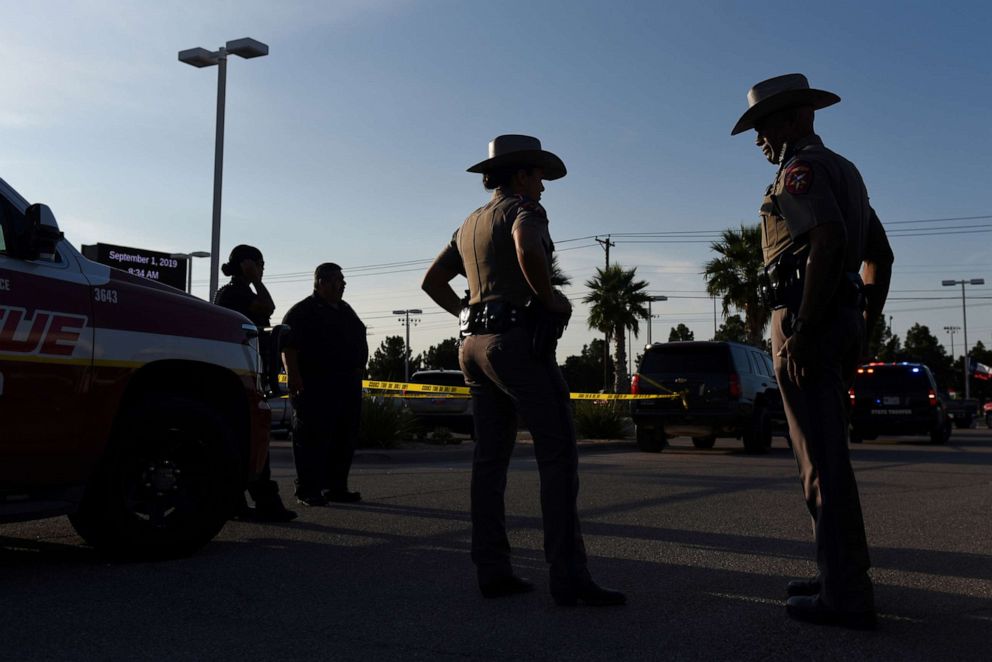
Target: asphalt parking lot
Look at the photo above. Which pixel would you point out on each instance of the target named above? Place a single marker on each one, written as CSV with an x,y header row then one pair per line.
x,y
703,542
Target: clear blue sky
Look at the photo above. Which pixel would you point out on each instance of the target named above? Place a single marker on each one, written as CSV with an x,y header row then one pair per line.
x,y
348,143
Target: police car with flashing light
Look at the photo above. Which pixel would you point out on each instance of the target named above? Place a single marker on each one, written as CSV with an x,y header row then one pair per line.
x,y
897,399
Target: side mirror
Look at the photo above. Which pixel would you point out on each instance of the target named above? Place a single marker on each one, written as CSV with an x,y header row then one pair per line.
x,y
35,235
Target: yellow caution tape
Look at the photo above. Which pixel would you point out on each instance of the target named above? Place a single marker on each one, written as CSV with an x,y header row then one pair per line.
x,y
437,391
463,391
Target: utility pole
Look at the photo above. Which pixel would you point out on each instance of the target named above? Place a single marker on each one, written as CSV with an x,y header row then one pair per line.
x,y
406,321
606,243
651,315
714,317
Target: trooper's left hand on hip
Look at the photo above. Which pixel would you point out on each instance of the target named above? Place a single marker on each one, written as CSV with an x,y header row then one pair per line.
x,y
797,353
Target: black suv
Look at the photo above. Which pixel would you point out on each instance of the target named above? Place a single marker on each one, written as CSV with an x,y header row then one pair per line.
x,y
725,389
899,399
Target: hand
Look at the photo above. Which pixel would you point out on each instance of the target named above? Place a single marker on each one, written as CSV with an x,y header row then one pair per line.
x,y
251,270
798,353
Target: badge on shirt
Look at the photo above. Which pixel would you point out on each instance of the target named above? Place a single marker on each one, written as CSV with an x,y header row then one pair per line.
x,y
798,178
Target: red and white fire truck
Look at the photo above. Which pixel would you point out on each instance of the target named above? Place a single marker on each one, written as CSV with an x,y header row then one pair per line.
x,y
131,406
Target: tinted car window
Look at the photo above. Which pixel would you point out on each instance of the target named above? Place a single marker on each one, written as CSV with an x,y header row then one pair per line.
x,y
740,358
683,358
756,365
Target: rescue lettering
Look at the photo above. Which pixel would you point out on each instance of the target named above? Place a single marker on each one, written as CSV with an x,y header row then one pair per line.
x,y
46,332
4,285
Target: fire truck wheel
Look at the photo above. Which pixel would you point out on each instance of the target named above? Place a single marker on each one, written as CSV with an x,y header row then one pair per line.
x,y
168,484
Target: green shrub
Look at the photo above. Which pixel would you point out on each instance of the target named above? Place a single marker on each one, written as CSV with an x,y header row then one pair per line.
x,y
595,420
385,421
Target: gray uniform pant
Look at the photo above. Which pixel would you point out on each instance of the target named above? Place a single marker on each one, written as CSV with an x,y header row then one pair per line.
x,y
506,379
818,424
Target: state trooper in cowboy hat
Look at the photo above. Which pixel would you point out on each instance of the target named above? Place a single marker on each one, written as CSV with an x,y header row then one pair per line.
x,y
829,265
504,250
513,150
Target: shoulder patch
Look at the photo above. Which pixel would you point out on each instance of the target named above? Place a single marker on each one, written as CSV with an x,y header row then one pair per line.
x,y
798,178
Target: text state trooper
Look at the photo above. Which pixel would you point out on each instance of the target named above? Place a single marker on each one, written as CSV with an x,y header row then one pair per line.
x,y
507,355
818,232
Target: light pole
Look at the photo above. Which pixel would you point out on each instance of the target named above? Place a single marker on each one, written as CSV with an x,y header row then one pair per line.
x,y
189,267
650,316
952,330
405,320
964,318
201,57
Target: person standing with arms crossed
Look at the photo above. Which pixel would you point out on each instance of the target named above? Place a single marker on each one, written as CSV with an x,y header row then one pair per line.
x,y
818,231
245,267
504,250
325,352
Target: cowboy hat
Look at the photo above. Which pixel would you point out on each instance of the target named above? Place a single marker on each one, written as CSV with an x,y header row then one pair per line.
x,y
780,92
524,151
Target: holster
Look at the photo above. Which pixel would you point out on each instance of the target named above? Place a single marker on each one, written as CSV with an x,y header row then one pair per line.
x,y
784,281
545,327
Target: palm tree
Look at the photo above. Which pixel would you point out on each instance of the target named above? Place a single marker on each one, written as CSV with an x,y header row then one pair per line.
x,y
559,278
736,276
618,303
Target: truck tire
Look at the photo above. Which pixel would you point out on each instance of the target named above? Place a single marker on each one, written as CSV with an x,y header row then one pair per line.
x,y
963,422
167,484
650,440
941,434
704,442
757,436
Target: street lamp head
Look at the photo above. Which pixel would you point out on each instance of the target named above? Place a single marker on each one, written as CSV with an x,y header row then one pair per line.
x,y
946,283
247,47
977,281
660,297
199,57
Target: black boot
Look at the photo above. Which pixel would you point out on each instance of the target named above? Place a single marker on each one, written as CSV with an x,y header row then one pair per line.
x,y
803,587
570,593
273,510
811,609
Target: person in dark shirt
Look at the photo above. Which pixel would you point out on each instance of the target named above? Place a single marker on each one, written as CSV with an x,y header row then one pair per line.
x,y
325,353
245,267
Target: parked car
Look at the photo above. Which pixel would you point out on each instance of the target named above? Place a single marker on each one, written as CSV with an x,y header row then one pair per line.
x,y
282,415
963,412
897,399
430,412
726,389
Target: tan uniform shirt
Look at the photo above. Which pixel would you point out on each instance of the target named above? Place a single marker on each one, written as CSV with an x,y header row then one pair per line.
x,y
483,250
815,186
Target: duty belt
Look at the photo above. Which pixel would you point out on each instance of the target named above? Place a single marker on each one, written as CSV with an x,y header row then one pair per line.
x,y
783,288
490,317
